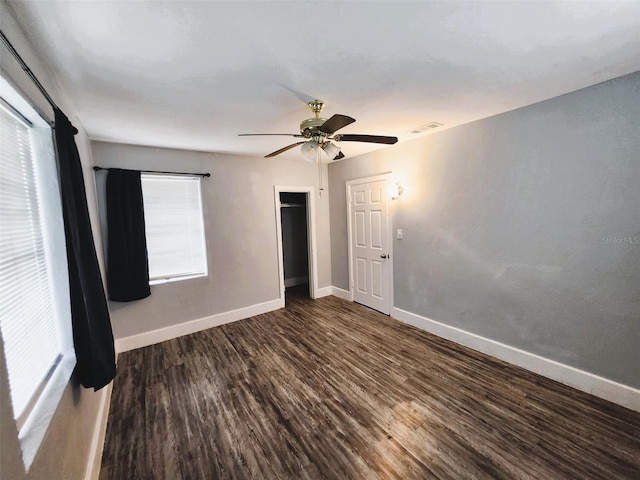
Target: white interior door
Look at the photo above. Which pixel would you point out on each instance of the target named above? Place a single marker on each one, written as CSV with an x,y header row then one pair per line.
x,y
369,244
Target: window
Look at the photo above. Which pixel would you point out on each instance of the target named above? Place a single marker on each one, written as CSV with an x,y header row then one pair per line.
x,y
174,227
35,317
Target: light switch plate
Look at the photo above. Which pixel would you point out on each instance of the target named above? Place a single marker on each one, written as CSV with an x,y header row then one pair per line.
x,y
399,234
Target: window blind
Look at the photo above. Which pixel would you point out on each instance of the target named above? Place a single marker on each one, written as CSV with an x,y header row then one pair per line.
x,y
27,317
174,226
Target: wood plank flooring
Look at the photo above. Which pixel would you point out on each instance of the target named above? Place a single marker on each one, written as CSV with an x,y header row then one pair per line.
x,y
328,389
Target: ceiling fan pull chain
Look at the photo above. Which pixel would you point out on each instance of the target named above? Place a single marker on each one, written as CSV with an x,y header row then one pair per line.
x,y
320,189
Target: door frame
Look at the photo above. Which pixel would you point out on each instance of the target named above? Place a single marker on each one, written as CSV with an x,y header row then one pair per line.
x,y
311,237
387,177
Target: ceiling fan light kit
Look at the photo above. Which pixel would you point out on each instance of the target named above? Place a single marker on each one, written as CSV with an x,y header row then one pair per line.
x,y
309,150
319,133
331,149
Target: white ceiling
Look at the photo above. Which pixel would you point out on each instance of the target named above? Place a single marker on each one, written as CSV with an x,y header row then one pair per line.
x,y
195,74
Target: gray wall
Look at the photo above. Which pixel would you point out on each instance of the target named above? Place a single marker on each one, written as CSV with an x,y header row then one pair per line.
x,y
512,227
240,229
64,452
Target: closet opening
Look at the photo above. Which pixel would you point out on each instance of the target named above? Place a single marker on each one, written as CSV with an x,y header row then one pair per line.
x,y
294,219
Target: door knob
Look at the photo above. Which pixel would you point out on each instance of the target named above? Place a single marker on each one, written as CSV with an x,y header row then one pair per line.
x,y
384,255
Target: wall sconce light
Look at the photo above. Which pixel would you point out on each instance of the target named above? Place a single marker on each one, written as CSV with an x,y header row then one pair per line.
x,y
395,191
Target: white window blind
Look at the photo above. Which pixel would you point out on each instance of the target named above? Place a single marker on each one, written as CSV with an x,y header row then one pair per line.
x,y
35,310
27,316
174,227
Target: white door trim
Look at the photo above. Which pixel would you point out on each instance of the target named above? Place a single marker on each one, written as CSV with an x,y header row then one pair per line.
x,y
387,176
311,237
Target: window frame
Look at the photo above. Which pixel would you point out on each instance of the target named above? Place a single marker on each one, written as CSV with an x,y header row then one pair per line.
x,y
33,423
168,278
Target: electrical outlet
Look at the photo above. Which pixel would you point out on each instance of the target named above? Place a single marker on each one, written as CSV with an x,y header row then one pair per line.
x,y
399,234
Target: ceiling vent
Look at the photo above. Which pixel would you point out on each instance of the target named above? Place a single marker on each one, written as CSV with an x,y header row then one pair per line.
x,y
425,127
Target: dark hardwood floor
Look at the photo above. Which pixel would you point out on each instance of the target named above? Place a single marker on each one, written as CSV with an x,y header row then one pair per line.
x,y
330,389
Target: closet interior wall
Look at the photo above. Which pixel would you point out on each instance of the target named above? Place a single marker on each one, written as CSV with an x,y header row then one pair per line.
x,y
293,213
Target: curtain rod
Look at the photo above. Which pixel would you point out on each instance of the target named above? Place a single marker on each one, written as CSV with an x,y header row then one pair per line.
x,y
28,71
155,171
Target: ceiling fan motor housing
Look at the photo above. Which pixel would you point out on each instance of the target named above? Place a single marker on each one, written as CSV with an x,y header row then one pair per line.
x,y
309,127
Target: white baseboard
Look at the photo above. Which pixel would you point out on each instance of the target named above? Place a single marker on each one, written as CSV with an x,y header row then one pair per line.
x,y
341,293
99,434
615,392
186,328
292,282
324,292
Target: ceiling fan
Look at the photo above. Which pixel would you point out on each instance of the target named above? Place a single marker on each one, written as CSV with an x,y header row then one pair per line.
x,y
319,134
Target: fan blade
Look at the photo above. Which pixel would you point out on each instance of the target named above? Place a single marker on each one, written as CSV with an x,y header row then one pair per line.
x,y
278,152
366,138
335,123
270,134
339,156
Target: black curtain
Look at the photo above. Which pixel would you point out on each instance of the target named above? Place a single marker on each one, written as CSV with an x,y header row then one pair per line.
x,y
127,263
92,335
